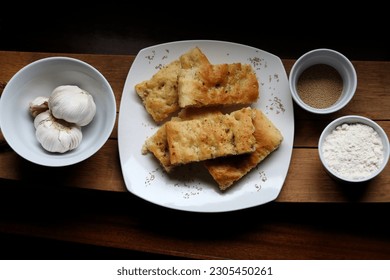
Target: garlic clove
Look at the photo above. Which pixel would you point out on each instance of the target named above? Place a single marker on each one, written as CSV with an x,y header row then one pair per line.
x,y
38,105
72,104
56,135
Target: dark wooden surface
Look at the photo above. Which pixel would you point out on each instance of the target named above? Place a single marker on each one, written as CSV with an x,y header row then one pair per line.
x,y
57,221
307,181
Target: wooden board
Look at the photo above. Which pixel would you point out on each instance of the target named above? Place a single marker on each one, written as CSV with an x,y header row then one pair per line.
x,y
306,180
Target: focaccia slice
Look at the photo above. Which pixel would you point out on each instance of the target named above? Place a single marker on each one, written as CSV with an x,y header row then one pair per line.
x,y
211,137
228,170
193,58
203,84
159,93
157,144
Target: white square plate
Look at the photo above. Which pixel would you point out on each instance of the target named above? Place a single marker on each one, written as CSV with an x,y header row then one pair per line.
x,y
191,188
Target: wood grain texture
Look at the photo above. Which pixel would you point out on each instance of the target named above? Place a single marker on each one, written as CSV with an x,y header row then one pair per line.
x,y
314,216
103,171
271,231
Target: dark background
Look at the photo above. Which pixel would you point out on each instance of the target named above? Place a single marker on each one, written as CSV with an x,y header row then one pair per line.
x,y
360,33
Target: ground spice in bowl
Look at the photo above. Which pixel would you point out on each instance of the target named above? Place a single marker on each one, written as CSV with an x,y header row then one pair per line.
x,y
320,86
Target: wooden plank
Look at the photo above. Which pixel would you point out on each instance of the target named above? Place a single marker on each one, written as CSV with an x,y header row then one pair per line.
x,y
271,231
99,172
87,203
306,180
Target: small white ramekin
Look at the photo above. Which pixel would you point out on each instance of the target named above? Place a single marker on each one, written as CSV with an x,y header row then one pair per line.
x,y
334,59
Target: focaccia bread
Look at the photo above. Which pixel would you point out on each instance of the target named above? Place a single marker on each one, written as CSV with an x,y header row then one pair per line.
x,y
211,137
157,144
159,93
204,84
193,58
192,81
228,170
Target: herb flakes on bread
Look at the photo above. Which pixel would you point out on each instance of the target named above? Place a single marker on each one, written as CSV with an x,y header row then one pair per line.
x,y
210,137
228,170
192,81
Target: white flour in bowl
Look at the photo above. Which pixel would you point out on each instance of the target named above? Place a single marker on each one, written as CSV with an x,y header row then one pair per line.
x,y
354,151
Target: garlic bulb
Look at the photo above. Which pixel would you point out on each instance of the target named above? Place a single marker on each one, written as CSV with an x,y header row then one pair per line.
x,y
56,135
38,105
72,104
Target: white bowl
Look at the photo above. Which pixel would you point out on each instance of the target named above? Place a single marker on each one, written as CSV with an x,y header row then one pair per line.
x,y
39,78
345,176
331,58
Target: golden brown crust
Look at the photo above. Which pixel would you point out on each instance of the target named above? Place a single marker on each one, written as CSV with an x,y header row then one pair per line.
x,y
159,94
157,144
192,80
191,113
228,170
224,170
193,58
211,137
204,84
